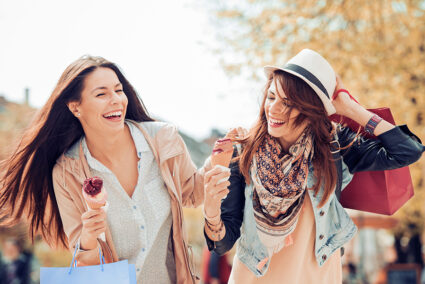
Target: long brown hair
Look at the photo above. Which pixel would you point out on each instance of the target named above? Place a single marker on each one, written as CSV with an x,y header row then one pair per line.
x,y
303,98
26,183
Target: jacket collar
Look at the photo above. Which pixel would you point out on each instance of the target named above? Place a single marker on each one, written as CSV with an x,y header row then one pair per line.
x,y
161,140
139,142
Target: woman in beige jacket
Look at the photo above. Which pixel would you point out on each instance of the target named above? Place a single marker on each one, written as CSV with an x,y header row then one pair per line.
x,y
94,124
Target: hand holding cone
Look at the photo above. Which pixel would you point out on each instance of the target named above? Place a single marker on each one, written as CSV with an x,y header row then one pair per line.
x,y
95,196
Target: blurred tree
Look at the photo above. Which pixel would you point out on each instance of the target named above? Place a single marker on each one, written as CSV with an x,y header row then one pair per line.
x,y
377,47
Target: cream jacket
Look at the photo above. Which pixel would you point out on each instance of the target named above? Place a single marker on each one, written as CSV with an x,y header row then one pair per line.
x,y
183,181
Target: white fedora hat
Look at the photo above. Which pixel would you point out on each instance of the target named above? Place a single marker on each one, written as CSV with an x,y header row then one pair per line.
x,y
315,71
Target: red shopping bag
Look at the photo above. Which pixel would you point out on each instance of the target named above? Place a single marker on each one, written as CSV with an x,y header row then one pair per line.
x,y
382,192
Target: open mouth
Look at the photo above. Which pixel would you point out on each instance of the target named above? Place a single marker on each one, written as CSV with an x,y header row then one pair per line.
x,y
275,123
113,116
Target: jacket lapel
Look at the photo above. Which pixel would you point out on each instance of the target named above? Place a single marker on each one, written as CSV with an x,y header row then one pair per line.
x,y
161,159
108,246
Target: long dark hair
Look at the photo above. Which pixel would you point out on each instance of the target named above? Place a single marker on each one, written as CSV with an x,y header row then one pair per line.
x,y
303,98
26,182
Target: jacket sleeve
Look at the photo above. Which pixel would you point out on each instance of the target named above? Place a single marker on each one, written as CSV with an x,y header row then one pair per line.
x,y
71,217
190,178
214,266
393,149
231,212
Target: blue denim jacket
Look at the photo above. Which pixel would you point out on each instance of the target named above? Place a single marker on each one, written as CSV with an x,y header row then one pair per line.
x,y
393,149
333,227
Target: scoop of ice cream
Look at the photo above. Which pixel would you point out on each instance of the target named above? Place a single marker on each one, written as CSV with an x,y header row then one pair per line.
x,y
93,186
94,193
223,145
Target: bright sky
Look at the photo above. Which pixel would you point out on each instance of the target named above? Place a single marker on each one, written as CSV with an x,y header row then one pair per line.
x,y
163,47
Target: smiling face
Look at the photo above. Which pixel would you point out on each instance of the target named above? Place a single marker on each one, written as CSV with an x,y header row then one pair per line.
x,y
103,103
280,119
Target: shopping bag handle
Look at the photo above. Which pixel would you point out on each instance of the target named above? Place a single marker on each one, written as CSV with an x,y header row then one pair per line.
x,y
74,261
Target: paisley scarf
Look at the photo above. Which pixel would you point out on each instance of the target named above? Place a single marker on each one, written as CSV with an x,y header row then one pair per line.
x,y
280,180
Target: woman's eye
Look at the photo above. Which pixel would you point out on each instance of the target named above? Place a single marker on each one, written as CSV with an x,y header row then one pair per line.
x,y
270,97
119,91
286,104
101,94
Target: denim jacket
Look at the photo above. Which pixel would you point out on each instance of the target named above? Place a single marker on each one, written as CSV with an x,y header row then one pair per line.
x,y
395,148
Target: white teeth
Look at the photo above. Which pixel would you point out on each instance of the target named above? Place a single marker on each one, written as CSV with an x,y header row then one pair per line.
x,y
117,113
276,121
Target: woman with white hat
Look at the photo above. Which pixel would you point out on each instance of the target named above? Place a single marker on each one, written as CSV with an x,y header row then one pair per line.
x,y
281,203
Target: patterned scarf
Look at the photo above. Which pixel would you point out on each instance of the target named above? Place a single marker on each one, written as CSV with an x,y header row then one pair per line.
x,y
280,180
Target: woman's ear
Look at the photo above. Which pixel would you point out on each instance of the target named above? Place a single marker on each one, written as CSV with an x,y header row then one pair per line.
x,y
73,108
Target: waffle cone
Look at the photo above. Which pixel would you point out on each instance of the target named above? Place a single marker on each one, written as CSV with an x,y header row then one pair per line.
x,y
97,201
222,159
94,205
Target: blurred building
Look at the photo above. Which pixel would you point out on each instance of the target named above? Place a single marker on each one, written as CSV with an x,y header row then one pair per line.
x,y
14,117
3,103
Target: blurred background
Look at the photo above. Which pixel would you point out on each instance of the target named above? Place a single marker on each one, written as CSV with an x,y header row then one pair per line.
x,y
198,64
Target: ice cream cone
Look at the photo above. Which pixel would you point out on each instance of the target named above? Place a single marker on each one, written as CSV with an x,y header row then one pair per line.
x,y
222,152
95,196
222,159
96,203
94,193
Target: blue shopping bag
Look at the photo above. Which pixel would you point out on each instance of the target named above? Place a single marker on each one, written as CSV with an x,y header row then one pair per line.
x,y
105,273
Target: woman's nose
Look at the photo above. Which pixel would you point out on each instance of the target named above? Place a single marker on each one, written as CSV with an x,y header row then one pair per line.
x,y
276,107
116,98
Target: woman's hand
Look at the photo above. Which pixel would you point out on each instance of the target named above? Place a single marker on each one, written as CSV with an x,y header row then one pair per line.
x,y
94,223
343,104
347,107
237,133
215,191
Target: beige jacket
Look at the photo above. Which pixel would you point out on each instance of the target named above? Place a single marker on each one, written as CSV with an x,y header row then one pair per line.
x,y
183,181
